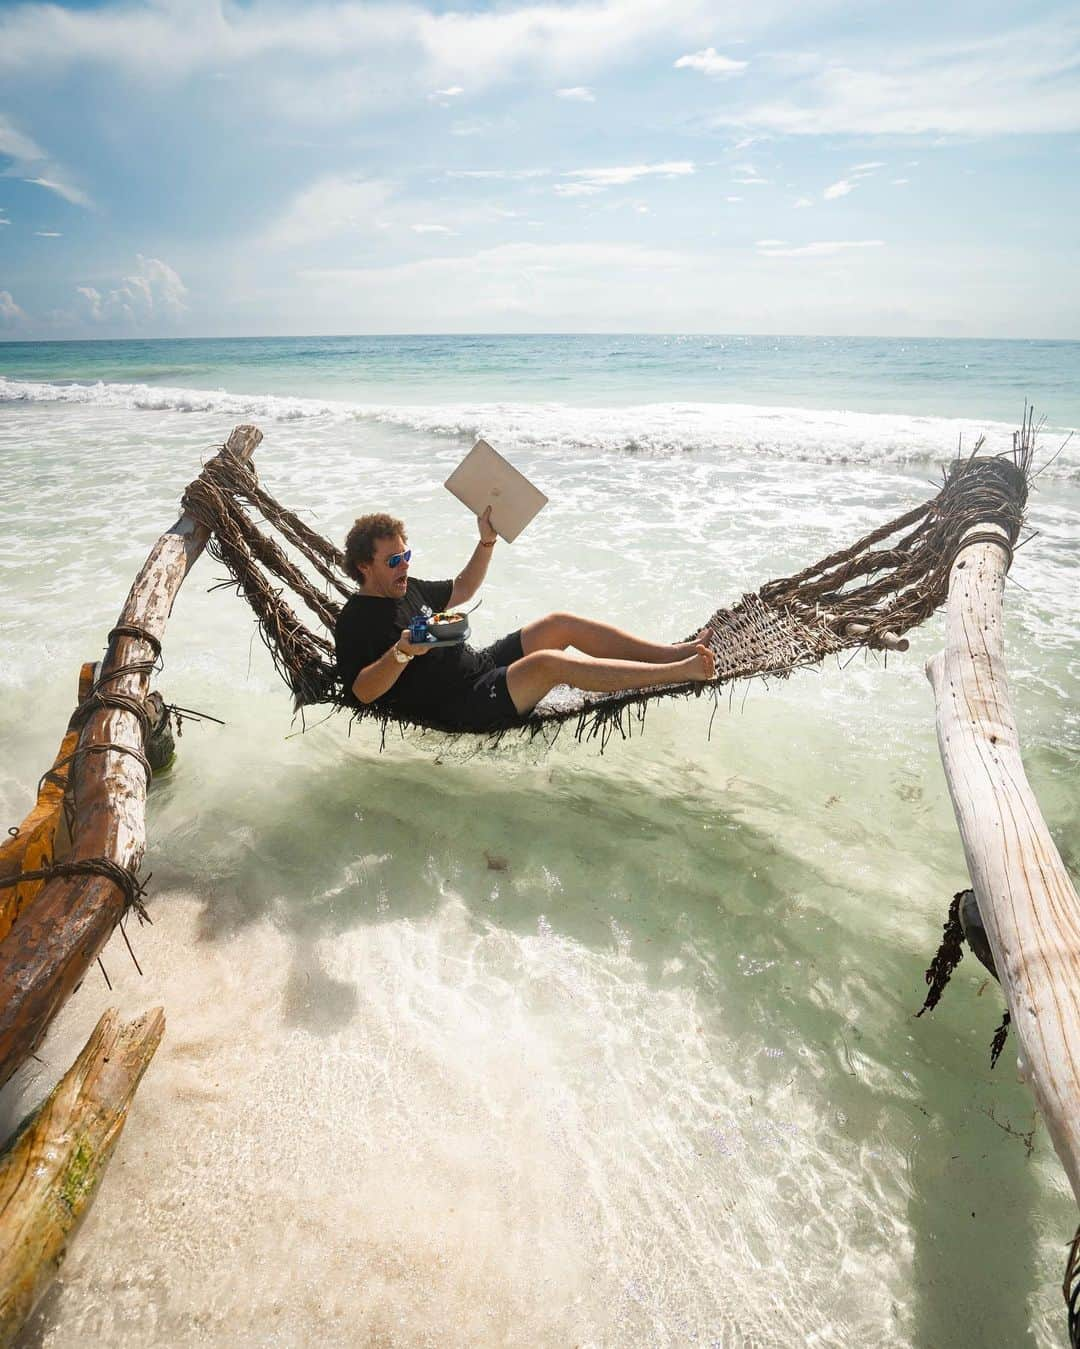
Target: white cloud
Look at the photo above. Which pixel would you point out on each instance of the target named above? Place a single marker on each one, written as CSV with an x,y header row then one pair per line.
x,y
9,310
516,284
778,248
544,257
93,302
172,39
508,175
900,182
4,220
474,126
587,182
48,234
845,185
340,207
710,62
443,98
152,293
28,158
578,93
733,199
748,176
802,202
1019,81
17,145
69,193
329,207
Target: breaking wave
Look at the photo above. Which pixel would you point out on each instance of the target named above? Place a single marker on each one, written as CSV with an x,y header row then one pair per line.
x,y
658,429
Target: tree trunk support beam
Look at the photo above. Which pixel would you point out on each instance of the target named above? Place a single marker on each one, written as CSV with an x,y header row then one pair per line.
x,y
57,937
1028,902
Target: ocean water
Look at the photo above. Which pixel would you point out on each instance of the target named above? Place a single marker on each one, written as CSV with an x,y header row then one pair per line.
x,y
541,1046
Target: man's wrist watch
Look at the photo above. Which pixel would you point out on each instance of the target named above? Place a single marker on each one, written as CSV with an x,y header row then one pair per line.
x,y
485,543
402,657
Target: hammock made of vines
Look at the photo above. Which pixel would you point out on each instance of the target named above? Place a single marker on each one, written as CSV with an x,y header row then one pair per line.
x,y
865,595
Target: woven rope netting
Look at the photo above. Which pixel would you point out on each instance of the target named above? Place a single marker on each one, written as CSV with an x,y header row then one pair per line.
x,y
865,595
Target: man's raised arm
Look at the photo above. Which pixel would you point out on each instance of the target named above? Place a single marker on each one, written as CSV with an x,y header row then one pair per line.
x,y
471,577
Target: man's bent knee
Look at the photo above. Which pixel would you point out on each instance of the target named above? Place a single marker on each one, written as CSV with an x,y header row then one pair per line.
x,y
558,629
529,678
551,631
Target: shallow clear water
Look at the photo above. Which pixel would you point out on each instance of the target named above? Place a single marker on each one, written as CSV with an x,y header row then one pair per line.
x,y
538,1046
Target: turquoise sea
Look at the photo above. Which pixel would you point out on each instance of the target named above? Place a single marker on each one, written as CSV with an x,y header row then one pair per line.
x,y
922,376
539,1046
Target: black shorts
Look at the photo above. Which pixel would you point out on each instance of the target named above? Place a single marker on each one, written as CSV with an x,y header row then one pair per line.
x,y
486,705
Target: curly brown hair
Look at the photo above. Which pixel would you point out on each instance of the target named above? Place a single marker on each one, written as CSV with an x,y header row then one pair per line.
x,y
360,543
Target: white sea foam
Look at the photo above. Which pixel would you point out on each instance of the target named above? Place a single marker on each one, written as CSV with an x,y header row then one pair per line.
x,y
651,429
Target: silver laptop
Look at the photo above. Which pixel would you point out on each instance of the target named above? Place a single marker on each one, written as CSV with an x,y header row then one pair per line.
x,y
484,478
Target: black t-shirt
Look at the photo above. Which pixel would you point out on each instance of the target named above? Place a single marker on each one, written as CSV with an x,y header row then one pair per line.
x,y
369,625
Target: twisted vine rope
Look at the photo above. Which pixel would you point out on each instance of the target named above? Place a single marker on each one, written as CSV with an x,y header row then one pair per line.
x,y
133,889
878,588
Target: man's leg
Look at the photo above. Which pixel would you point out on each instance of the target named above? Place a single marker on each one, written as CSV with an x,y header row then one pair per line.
x,y
528,679
555,632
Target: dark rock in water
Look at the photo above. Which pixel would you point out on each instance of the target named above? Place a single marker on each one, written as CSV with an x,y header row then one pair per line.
x,y
975,932
160,746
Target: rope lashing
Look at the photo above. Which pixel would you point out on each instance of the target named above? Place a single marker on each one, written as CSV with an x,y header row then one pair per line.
x,y
987,536
139,634
54,776
123,878
95,700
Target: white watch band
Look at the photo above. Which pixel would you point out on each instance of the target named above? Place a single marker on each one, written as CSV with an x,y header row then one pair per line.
x,y
402,657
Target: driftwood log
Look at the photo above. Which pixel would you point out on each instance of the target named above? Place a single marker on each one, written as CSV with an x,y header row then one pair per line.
x,y
50,1172
1028,904
41,837
57,936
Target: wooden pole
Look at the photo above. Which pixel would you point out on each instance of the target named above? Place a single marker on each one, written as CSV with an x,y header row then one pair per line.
x,y
58,936
40,837
50,1173
1027,901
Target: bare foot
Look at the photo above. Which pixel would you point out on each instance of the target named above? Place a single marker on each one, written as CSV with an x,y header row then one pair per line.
x,y
686,649
700,667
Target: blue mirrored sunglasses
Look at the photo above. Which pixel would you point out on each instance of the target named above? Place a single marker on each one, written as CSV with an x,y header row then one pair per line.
x,y
396,559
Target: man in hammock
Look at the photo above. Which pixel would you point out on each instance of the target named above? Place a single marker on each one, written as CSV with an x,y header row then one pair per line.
x,y
456,686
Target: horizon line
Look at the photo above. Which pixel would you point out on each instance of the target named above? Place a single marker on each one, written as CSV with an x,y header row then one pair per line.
x,y
539,332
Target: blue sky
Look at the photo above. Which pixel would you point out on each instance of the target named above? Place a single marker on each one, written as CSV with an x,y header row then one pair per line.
x,y
201,168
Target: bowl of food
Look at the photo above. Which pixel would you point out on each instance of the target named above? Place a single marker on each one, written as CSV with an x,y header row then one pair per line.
x,y
451,627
